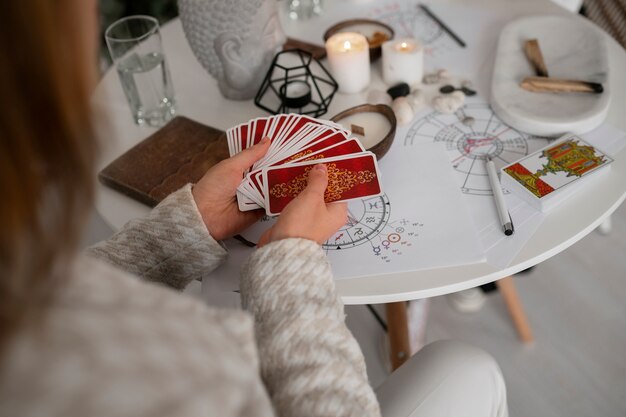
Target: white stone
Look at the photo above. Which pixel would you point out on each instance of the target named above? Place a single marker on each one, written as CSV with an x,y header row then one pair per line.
x,y
417,100
431,78
449,103
403,110
443,74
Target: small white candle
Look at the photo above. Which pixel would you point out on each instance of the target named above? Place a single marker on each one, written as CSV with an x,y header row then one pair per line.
x,y
403,61
375,125
349,61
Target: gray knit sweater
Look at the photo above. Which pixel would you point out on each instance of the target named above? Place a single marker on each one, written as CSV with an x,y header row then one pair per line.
x,y
115,345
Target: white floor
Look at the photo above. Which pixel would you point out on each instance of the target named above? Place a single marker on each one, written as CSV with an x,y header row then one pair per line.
x,y
576,303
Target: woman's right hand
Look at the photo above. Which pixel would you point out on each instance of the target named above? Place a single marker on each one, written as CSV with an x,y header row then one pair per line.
x,y
308,216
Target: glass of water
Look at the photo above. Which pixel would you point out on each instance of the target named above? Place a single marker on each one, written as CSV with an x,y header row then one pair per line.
x,y
136,48
304,9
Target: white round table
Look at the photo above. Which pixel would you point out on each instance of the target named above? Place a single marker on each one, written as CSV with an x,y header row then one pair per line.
x,y
199,99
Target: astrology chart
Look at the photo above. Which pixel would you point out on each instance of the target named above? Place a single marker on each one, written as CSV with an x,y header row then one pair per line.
x,y
408,20
369,223
470,135
394,232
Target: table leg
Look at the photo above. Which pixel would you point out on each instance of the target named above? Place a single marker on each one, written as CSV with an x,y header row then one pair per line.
x,y
514,305
398,332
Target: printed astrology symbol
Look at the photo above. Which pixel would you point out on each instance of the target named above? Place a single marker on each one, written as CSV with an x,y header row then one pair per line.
x,y
370,219
374,205
358,231
394,237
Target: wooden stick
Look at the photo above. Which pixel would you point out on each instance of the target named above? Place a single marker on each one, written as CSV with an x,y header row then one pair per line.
x,y
398,332
318,52
534,55
516,309
556,85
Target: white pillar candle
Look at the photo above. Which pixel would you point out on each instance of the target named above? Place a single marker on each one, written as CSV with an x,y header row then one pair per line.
x,y
375,127
349,61
403,61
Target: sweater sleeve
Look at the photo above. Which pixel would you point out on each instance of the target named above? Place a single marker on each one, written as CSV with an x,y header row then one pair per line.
x,y
171,245
310,362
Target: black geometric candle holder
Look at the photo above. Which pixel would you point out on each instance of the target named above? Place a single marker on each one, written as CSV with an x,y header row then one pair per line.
x,y
296,83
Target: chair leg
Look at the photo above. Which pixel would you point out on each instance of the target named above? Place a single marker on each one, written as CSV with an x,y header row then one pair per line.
x,y
514,305
398,332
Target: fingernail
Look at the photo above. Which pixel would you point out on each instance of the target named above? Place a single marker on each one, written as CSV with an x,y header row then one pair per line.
x,y
321,167
264,140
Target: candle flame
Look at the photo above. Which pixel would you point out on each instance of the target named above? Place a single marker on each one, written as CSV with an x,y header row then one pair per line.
x,y
347,45
404,46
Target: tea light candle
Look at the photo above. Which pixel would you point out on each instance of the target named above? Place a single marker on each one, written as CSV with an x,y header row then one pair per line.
x,y
349,61
403,61
375,127
295,94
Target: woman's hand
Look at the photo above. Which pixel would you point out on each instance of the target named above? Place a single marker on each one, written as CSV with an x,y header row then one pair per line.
x,y
215,193
308,216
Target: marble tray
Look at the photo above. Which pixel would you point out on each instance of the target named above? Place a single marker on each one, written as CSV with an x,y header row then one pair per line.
x,y
572,49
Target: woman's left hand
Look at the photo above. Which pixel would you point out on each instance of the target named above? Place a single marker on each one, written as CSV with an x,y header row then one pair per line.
x,y
215,193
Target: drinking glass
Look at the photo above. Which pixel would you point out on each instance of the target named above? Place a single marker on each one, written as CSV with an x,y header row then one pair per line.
x,y
137,51
304,9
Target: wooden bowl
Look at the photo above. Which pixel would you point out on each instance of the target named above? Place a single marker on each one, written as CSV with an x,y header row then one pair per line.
x,y
358,25
381,147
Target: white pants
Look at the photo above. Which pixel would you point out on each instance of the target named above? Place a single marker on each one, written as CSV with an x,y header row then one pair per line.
x,y
445,378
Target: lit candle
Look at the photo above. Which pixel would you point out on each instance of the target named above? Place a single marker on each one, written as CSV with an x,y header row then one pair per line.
x,y
295,94
349,61
403,61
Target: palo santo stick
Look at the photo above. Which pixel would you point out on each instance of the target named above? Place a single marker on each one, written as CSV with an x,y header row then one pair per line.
x,y
556,85
534,55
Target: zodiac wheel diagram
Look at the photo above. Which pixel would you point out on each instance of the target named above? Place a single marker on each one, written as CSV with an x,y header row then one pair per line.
x,y
470,135
366,219
369,222
410,21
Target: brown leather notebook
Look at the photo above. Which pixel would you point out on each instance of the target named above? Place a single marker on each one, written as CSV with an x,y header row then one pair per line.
x,y
177,154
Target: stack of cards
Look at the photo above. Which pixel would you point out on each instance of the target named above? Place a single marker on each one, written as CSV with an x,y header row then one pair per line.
x,y
548,176
297,144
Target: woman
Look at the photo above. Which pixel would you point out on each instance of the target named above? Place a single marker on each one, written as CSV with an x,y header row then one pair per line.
x,y
81,335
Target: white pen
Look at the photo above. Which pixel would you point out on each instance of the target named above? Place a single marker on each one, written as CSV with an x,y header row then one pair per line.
x,y
503,213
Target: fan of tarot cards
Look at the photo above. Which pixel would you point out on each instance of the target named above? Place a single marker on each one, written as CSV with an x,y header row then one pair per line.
x,y
298,143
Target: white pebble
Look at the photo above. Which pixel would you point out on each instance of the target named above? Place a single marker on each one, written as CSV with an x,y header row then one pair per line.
x,y
449,103
416,100
378,97
403,110
431,78
443,74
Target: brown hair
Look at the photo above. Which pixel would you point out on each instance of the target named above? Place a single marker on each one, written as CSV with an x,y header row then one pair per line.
x,y
46,153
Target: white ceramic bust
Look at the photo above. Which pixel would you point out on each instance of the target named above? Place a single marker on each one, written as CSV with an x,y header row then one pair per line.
x,y
235,40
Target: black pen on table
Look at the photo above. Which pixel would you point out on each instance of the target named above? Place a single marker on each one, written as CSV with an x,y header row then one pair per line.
x,y
503,213
442,25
